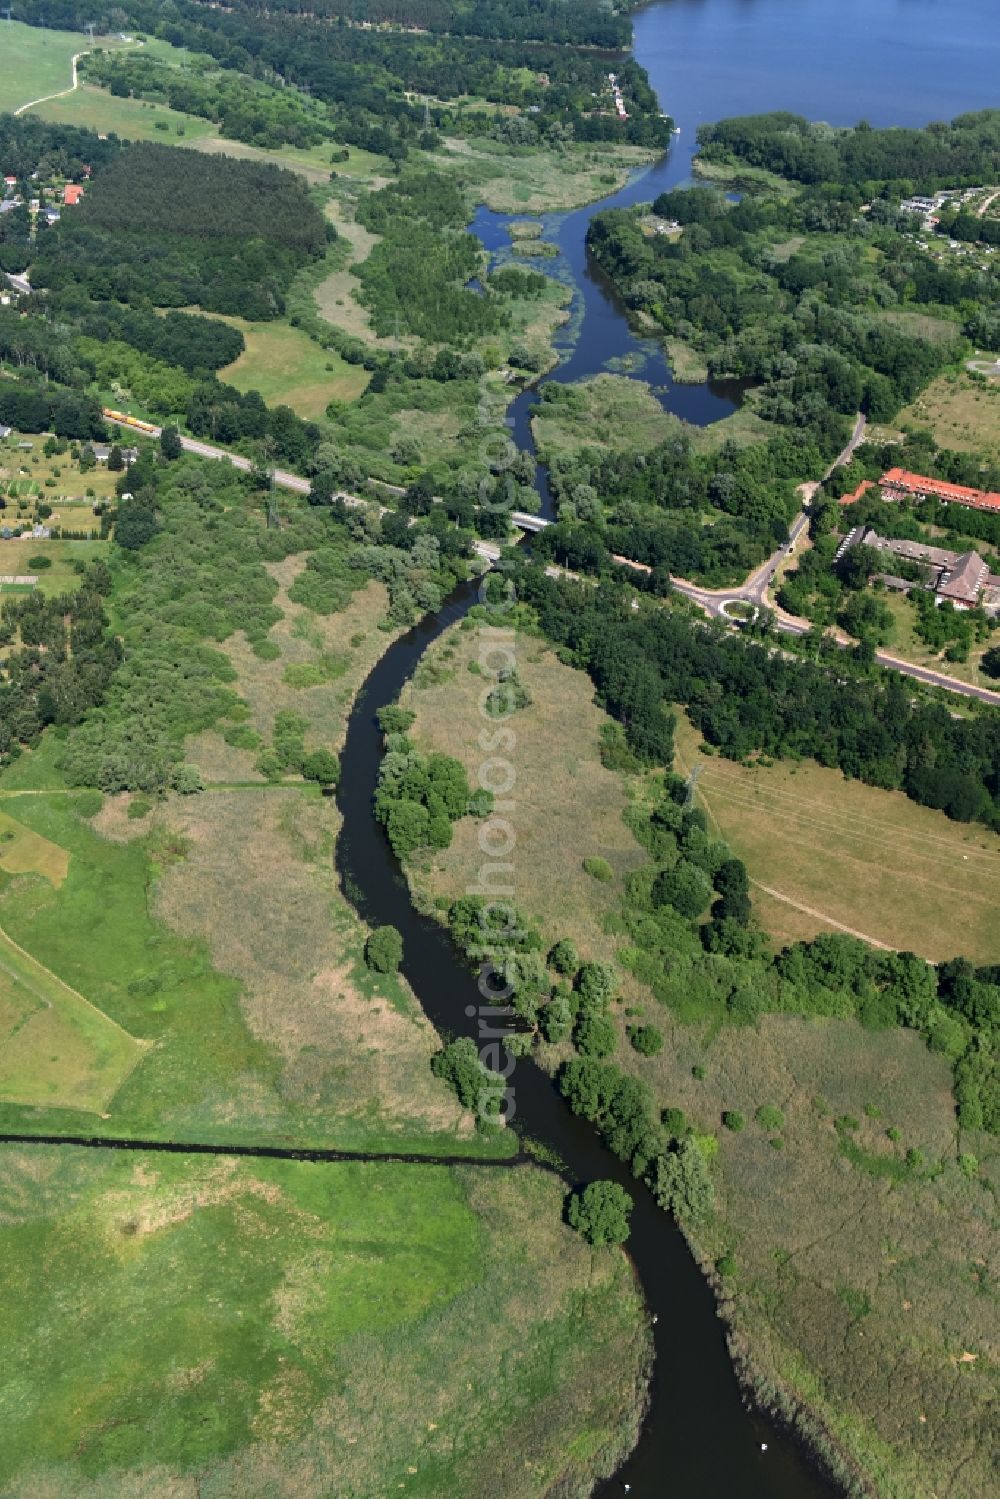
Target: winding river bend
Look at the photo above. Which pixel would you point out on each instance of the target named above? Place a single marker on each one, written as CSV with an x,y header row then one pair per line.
x,y
890,61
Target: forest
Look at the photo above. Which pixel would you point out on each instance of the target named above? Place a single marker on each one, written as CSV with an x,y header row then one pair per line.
x,y
651,507
368,77
965,152
415,277
799,296
172,227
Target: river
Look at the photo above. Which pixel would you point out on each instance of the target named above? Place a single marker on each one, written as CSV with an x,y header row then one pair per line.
x,y
890,61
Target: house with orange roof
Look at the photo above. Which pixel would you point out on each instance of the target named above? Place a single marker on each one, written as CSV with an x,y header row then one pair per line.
x,y
899,484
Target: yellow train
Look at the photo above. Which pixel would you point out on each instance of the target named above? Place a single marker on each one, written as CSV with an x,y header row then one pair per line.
x,y
125,420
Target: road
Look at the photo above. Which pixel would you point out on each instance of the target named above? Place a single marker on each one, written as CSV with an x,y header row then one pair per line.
x,y
489,551
714,601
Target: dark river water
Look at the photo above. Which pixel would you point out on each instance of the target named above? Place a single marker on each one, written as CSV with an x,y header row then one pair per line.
x,y
890,61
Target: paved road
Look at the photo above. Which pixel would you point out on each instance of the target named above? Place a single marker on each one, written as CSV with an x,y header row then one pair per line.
x,y
714,602
488,550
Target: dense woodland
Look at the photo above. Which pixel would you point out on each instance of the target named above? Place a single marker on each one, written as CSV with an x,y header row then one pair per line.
x,y
652,506
964,153
804,297
541,55
173,227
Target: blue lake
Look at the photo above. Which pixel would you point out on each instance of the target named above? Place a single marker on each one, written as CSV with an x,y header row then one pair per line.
x,y
892,62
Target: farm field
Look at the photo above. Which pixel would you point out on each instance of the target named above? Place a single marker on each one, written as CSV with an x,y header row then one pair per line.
x,y
181,1324
844,856
568,807
287,367
34,61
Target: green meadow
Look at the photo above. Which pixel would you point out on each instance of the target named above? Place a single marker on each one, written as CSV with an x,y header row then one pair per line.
x,y
182,1325
212,1066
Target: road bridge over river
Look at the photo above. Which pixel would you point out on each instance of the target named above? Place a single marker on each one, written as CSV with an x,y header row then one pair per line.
x,y
752,594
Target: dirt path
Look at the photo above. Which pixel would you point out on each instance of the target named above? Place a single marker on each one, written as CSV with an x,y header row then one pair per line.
x,y
63,91
821,916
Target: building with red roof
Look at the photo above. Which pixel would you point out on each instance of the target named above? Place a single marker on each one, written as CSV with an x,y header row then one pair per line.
x,y
899,484
72,193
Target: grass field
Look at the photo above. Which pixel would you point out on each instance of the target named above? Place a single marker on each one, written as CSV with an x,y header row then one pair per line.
x,y
25,852
906,643
56,1049
844,856
34,61
133,119
178,1325
288,368
961,412
62,575
304,1047
513,180
567,807
861,1284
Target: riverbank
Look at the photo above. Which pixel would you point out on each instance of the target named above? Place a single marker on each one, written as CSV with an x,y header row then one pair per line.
x,y
817,1310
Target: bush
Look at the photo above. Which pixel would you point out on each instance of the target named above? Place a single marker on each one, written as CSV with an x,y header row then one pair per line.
x,y
139,806
39,564
563,957
266,650
392,719
682,1183
675,1123
601,1213
321,765
89,803
599,869
384,950
726,1266
646,1039
187,780
733,1119
595,1034
770,1117
476,1087
556,1019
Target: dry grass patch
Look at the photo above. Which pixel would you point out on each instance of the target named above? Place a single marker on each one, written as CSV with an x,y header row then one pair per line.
x,y
864,860
351,638
23,851
308,164
859,1281
961,412
567,807
337,295
258,885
